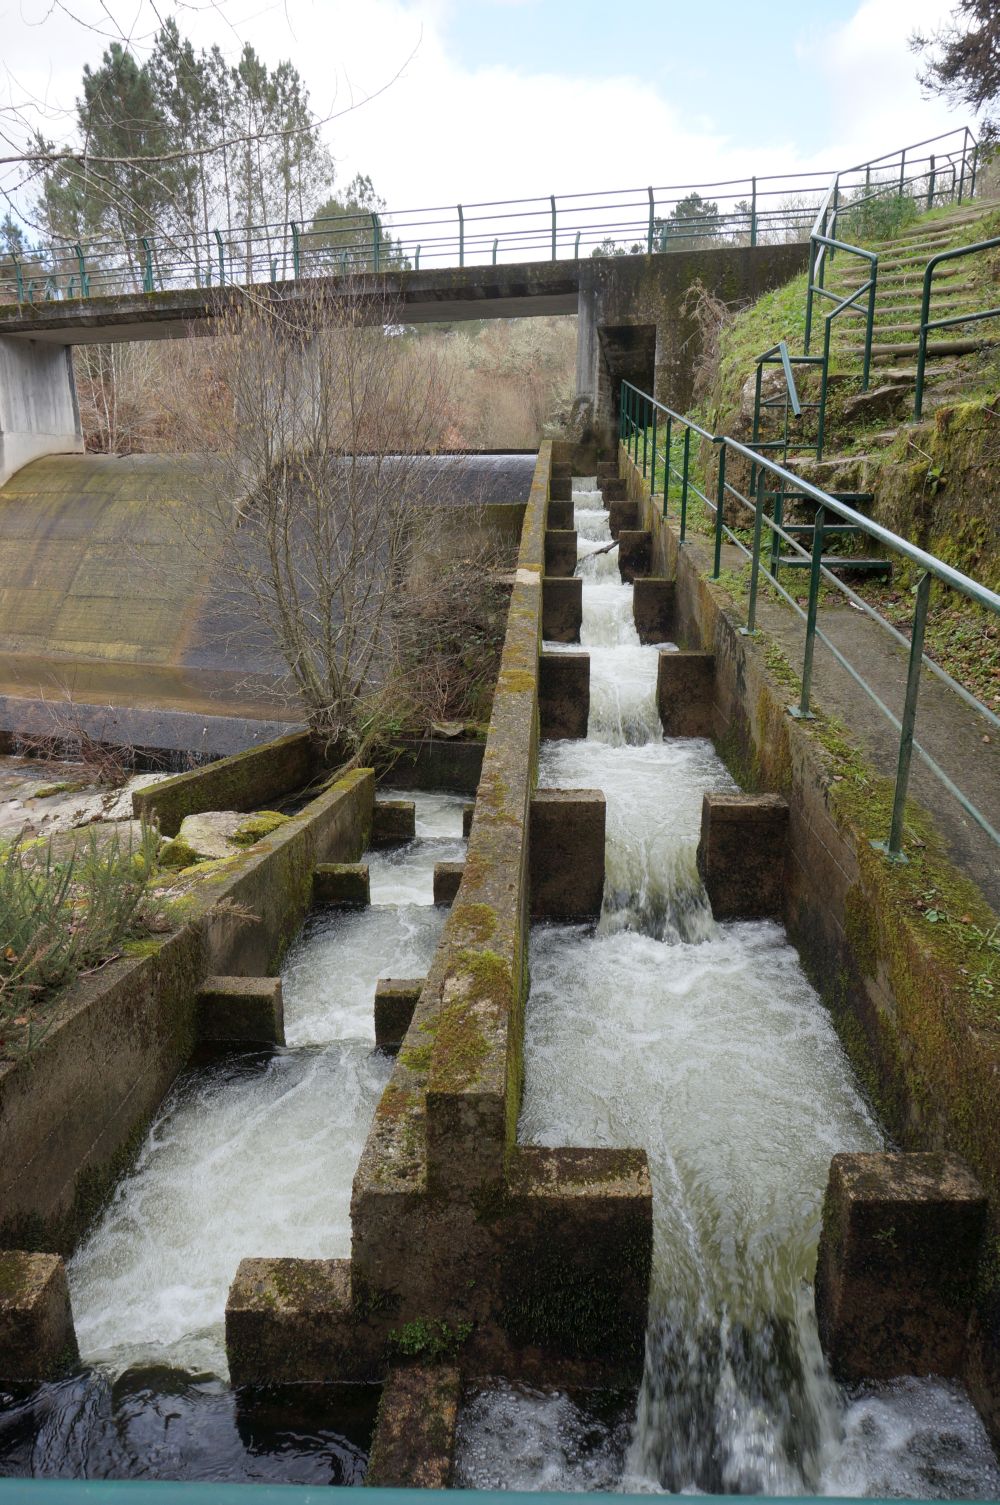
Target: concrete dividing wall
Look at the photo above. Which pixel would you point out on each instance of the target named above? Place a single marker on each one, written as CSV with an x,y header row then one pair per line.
x,y
895,985
39,414
535,1260
73,1112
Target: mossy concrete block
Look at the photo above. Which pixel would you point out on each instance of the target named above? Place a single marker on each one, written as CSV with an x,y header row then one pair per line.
x,y
635,552
560,469
575,1260
567,853
414,1442
685,693
654,609
248,781
241,1010
607,470
561,488
393,822
395,1000
468,814
447,877
613,491
341,883
741,854
896,1272
37,1337
562,608
622,514
434,763
560,515
293,1321
563,694
560,551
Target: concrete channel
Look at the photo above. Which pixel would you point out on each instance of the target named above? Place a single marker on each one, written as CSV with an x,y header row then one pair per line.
x,y
564,1221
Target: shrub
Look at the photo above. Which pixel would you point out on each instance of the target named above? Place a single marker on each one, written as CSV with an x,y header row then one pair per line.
x,y
61,916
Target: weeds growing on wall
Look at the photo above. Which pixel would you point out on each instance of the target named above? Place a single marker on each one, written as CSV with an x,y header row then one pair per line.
x,y
878,218
62,916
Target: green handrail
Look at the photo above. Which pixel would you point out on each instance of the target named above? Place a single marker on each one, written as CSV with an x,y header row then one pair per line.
x,y
636,409
927,323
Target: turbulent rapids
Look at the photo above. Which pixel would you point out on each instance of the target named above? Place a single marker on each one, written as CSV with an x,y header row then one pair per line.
x,y
705,1044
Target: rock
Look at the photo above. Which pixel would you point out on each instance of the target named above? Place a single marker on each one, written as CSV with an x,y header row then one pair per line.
x,y
255,827
448,728
103,834
880,402
212,834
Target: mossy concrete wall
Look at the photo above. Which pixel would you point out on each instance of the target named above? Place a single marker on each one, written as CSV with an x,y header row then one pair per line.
x,y
901,990
250,780
535,1263
74,1110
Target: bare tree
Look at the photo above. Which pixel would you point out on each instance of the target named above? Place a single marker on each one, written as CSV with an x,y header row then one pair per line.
x,y
320,498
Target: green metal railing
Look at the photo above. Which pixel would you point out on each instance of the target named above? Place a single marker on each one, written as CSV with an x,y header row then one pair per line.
x,y
641,418
758,210
927,323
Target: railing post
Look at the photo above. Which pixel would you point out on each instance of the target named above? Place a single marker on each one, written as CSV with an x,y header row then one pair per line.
x,y
902,171
961,177
19,277
147,273
649,232
869,328
576,247
274,270
925,311
930,187
809,289
222,258
684,482
868,178
975,169
84,279
652,483
461,237
645,436
720,502
376,242
758,518
753,213
552,201
666,461
416,260
894,848
296,252
495,239
815,576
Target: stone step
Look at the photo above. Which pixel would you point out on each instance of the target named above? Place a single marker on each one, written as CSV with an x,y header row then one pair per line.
x,y
942,347
841,562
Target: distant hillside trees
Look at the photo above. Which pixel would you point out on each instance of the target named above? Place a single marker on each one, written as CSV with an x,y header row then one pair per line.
x,y
963,62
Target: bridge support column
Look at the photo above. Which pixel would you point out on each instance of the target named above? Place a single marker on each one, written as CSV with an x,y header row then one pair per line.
x,y
39,413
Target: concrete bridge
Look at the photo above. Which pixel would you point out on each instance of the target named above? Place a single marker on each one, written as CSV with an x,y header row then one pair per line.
x,y
629,308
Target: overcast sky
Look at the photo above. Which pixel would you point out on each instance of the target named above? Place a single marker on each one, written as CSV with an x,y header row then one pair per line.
x,y
507,98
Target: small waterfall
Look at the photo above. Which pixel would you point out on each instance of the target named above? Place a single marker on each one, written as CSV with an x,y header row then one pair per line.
x,y
705,1044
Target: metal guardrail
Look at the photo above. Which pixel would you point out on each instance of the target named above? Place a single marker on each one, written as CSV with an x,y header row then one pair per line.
x,y
641,417
927,323
743,211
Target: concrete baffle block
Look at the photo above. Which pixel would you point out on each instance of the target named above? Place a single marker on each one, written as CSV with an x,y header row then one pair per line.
x,y
37,1337
654,609
559,515
560,467
685,692
468,814
896,1271
341,883
560,488
241,1010
395,1000
562,608
567,853
635,552
560,551
741,854
294,1321
622,514
447,877
414,1442
607,470
393,822
563,694
613,490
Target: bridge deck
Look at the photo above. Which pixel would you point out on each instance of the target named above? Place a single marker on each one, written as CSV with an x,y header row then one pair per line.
x,y
439,294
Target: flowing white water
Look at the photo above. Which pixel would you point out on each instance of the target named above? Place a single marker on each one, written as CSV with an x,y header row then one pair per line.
x,y
706,1045
256,1155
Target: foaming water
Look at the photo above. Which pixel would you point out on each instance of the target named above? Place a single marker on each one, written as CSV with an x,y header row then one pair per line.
x,y
705,1044
253,1155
